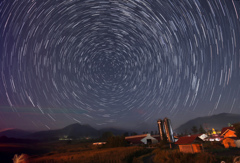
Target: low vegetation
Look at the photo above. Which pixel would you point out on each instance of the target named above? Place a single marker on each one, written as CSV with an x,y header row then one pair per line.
x,y
174,156
213,152
104,155
116,141
116,150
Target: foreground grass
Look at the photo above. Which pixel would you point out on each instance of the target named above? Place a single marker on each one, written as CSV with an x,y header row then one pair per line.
x,y
116,155
77,151
174,156
143,158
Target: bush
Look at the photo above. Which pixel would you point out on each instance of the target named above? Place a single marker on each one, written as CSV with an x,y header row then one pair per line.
x,y
107,155
116,141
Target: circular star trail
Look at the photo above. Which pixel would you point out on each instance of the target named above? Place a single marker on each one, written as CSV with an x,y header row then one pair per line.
x,y
117,62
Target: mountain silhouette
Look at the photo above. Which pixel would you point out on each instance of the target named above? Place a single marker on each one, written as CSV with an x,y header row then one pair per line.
x,y
115,131
16,133
208,122
72,131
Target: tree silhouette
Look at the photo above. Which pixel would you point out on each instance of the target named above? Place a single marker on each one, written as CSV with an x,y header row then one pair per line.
x,y
194,130
107,135
116,141
126,134
237,129
134,133
201,130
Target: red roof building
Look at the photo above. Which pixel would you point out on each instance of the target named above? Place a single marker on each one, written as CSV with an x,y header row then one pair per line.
x,y
226,128
135,139
141,139
190,144
228,132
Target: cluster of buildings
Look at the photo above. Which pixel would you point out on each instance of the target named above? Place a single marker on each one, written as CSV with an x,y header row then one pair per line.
x,y
229,138
186,144
194,143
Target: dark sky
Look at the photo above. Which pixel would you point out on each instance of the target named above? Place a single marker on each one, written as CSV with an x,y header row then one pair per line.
x,y
122,63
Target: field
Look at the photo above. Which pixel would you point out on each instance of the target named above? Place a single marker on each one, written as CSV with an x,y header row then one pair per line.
x,y
8,150
75,152
62,151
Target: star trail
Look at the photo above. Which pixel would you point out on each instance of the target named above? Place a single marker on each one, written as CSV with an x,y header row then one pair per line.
x,y
117,63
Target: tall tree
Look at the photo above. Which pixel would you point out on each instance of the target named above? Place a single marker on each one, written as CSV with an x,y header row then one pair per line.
x,y
151,132
133,133
116,141
107,135
194,129
126,134
237,129
201,130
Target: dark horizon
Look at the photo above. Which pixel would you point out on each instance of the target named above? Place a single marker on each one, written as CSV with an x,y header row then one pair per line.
x,y
139,129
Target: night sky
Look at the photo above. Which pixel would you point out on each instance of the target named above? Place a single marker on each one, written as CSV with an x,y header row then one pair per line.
x,y
122,63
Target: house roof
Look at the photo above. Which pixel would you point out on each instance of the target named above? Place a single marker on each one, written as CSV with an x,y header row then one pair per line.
x,y
224,129
188,139
137,136
136,139
196,135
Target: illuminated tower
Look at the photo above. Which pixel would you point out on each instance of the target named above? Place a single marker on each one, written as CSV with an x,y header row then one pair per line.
x,y
168,130
161,129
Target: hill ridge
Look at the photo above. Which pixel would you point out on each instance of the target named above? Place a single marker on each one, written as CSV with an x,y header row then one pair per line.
x,y
217,121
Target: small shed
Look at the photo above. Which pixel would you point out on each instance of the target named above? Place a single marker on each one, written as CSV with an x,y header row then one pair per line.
x,y
229,142
141,139
190,144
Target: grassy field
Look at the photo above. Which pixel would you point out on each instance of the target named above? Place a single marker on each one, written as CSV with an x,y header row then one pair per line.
x,y
76,155
209,156
8,150
77,151
62,151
